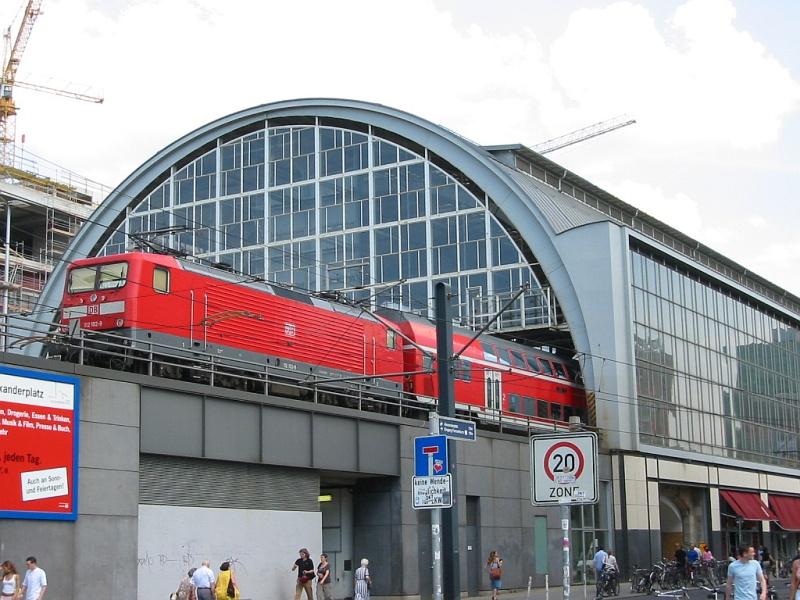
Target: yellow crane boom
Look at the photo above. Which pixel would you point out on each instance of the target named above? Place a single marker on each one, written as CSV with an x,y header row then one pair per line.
x,y
8,108
58,92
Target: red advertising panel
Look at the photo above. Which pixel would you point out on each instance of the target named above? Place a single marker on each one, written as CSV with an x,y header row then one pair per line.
x,y
38,445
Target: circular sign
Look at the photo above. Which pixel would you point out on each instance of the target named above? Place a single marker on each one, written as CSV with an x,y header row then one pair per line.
x,y
567,466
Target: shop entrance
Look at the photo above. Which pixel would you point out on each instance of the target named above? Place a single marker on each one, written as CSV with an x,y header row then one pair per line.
x,y
684,516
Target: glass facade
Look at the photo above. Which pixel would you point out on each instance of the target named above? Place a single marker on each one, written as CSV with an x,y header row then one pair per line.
x,y
590,531
716,373
330,209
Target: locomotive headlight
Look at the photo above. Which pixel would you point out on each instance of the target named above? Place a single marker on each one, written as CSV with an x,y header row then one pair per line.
x,y
120,322
93,298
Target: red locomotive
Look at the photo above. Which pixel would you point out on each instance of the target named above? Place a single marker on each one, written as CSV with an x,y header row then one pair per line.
x,y
182,312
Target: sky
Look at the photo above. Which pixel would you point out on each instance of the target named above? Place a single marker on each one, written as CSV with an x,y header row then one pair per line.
x,y
714,86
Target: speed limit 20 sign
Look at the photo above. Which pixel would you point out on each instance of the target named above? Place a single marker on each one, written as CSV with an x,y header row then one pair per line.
x,y
564,469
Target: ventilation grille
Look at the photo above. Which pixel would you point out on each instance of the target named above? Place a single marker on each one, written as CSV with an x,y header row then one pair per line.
x,y
177,481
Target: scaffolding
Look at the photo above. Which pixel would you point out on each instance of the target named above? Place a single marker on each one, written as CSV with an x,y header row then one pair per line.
x,y
41,213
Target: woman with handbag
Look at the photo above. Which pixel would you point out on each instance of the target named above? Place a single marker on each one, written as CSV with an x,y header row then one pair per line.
x,y
226,587
305,573
495,566
363,581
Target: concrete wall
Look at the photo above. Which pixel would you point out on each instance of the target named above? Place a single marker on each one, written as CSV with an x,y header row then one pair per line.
x,y
370,454
97,553
596,257
261,544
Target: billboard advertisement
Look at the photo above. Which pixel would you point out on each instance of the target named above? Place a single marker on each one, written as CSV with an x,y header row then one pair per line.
x,y
38,445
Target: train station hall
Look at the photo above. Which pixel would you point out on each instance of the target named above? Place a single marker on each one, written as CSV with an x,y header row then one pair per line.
x,y
685,364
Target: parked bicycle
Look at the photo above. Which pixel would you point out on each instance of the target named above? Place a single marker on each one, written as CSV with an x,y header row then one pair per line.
x,y
607,583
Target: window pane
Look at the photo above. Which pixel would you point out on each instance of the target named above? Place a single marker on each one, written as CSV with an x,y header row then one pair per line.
x,y
82,279
112,276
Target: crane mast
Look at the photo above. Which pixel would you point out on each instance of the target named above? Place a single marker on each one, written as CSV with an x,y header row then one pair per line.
x,y
8,108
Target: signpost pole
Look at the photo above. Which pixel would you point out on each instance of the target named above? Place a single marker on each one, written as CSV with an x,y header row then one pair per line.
x,y
436,529
565,544
451,578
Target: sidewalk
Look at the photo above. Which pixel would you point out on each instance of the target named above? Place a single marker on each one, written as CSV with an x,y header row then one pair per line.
x,y
577,592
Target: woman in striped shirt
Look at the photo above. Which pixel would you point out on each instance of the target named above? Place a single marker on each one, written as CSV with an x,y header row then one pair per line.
x,y
363,581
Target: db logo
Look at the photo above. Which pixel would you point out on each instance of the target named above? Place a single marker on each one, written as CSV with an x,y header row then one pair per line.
x,y
290,329
93,309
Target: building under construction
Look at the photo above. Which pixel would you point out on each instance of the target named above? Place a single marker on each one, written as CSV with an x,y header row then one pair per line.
x,y
42,207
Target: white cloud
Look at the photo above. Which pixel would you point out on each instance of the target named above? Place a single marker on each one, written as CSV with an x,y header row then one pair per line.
x,y
703,81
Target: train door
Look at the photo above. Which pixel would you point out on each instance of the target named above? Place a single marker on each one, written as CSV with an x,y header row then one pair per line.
x,y
494,392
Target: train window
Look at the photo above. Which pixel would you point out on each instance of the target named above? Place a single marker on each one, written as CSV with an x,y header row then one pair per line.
x,y
560,370
571,372
81,279
546,366
517,359
542,409
533,364
391,339
161,280
556,411
529,404
502,355
462,370
513,403
567,412
112,276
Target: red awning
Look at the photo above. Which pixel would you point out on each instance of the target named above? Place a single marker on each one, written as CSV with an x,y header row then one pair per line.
x,y
788,510
748,505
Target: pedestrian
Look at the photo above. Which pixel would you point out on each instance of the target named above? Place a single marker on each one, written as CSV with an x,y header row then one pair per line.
x,y
705,553
611,561
323,578
744,574
363,581
681,558
495,565
693,555
11,585
766,560
35,584
599,561
227,586
305,573
204,581
794,594
186,590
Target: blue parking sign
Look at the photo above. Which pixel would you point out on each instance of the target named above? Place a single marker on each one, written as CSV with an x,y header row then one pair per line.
x,y
430,456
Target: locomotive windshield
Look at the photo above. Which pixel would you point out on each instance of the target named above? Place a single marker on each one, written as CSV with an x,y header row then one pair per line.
x,y
99,277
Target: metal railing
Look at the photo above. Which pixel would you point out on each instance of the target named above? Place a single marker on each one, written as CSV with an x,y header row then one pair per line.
x,y
535,308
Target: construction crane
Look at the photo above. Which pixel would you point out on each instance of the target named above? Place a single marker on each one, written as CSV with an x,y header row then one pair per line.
x,y
585,133
8,108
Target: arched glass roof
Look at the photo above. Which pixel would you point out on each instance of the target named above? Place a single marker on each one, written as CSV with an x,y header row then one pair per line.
x,y
325,206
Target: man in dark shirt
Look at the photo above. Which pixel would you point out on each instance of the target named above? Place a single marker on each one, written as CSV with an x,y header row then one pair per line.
x,y
680,558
